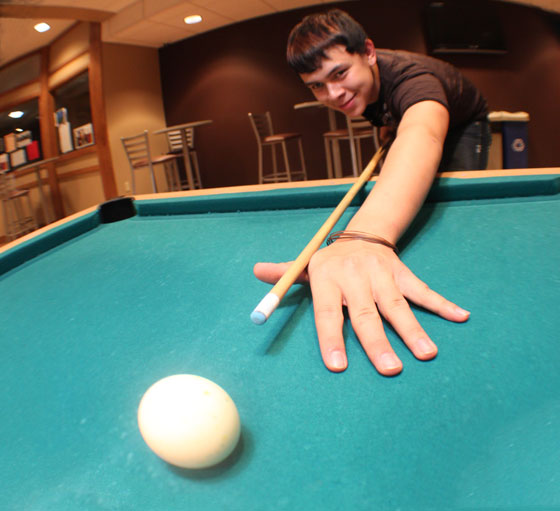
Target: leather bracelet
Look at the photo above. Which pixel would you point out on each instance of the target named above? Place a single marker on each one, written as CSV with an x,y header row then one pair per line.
x,y
360,236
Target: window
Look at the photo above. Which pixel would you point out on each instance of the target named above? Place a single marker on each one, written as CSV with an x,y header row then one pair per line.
x,y
74,96
73,113
19,137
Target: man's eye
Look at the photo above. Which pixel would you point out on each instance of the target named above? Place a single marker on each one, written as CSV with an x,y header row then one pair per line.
x,y
340,74
316,86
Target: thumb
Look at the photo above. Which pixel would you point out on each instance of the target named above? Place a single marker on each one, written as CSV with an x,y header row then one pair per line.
x,y
271,272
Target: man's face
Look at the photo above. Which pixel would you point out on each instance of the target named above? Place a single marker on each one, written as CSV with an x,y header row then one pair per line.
x,y
345,81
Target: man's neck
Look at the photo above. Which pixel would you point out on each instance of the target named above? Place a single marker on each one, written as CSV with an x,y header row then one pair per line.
x,y
376,84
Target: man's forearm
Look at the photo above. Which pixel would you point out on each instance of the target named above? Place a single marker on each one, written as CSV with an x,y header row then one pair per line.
x,y
408,173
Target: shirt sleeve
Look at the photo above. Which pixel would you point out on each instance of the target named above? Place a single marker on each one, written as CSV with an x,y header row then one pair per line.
x,y
414,89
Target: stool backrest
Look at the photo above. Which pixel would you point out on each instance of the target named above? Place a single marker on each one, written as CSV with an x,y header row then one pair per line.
x,y
175,141
262,125
137,149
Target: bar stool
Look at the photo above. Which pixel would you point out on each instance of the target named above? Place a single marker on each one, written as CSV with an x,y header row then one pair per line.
x,y
262,127
358,129
18,213
137,149
175,143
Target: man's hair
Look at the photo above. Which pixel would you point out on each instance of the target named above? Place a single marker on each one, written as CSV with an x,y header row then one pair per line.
x,y
316,33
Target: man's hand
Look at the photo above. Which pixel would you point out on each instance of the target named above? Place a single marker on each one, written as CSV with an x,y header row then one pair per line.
x,y
371,281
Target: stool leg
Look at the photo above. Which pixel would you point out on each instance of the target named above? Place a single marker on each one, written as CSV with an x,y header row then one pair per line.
x,y
174,175
286,160
194,159
169,177
353,155
360,162
261,173
19,217
175,170
5,208
303,169
14,220
274,163
11,221
133,181
153,177
31,215
329,159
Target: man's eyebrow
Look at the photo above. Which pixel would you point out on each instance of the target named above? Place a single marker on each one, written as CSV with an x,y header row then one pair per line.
x,y
332,72
335,69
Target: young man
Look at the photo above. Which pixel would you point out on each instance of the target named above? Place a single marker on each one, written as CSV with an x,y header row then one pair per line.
x,y
439,119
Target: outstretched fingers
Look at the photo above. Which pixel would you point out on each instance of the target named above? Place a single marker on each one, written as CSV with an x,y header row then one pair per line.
x,y
327,305
368,326
395,309
419,293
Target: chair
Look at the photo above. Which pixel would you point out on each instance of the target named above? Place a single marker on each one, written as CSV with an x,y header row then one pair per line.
x,y
17,221
175,142
357,129
137,149
262,127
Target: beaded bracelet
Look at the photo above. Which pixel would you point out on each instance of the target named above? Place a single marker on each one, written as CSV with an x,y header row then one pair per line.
x,y
360,236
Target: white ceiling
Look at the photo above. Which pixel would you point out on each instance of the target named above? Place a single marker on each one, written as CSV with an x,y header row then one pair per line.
x,y
139,22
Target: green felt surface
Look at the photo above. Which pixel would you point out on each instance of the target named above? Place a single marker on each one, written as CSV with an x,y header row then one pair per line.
x,y
89,324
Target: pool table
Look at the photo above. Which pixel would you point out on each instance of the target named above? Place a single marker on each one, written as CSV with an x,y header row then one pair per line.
x,y
94,310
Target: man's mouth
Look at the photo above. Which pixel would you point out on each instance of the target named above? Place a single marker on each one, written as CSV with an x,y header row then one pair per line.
x,y
348,104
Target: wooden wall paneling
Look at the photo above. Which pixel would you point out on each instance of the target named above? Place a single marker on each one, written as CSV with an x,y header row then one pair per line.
x,y
48,133
230,71
22,94
99,118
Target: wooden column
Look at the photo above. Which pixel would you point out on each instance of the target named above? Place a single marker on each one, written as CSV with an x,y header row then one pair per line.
x,y
98,116
48,133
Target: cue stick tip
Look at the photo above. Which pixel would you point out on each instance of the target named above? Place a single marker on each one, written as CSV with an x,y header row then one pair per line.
x,y
258,317
265,308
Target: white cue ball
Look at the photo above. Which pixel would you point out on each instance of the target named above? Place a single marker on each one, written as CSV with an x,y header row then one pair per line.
x,y
189,421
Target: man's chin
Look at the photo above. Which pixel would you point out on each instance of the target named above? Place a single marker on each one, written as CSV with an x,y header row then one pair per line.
x,y
352,109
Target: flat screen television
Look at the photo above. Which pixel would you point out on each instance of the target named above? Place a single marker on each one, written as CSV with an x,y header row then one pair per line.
x,y
470,27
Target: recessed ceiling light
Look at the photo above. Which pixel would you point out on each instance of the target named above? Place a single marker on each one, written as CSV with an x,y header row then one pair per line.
x,y
42,27
16,114
19,130
191,20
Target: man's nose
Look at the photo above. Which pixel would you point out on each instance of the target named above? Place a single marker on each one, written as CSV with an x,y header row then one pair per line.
x,y
334,90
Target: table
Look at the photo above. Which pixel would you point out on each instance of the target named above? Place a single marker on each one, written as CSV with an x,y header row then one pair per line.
x,y
185,146
92,314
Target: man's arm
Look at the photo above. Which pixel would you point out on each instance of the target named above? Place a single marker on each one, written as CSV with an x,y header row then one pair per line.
x,y
408,172
370,279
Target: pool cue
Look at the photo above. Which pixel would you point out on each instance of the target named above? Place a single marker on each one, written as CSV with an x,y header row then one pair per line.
x,y
269,303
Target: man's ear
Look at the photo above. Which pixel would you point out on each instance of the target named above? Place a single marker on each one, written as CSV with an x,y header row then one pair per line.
x,y
370,52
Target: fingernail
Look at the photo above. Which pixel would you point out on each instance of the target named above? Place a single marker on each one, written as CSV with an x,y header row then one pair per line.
x,y
389,361
462,312
337,360
425,346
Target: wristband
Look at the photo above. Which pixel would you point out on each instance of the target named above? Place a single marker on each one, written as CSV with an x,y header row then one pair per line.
x,y
360,236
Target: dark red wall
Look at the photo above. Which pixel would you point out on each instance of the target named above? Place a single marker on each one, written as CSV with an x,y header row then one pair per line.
x,y
224,74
